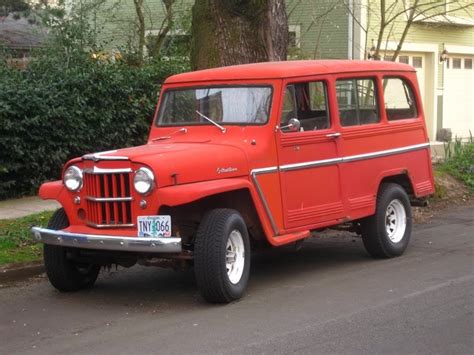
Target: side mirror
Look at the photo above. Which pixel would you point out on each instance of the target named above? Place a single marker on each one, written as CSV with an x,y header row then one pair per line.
x,y
292,126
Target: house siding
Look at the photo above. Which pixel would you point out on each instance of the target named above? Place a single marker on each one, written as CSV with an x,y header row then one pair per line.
x,y
323,25
116,20
323,28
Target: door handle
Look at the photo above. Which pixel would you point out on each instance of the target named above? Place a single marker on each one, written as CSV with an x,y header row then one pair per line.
x,y
333,135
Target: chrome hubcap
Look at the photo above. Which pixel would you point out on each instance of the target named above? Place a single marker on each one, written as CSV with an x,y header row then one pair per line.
x,y
235,257
395,221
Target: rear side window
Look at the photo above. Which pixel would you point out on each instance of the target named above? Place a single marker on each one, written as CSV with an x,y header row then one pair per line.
x,y
399,99
357,102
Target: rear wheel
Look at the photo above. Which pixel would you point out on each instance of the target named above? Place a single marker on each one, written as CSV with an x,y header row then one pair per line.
x,y
387,233
222,256
65,274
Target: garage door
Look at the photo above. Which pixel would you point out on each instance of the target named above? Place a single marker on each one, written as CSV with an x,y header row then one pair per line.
x,y
418,61
458,95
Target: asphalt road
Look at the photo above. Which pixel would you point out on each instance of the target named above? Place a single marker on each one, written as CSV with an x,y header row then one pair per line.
x,y
329,297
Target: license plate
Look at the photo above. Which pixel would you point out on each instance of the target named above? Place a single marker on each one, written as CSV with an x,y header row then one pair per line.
x,y
154,226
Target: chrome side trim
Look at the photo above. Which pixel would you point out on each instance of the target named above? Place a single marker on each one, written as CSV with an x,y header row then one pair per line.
x,y
95,170
310,164
384,153
351,158
107,242
91,224
254,174
109,199
270,169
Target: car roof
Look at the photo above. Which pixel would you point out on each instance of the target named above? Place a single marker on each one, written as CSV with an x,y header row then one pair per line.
x,y
287,69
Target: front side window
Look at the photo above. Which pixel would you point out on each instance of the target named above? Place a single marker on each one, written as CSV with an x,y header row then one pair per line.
x,y
357,102
306,102
399,99
226,105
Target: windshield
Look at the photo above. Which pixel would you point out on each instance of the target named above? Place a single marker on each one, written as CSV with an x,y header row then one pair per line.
x,y
225,105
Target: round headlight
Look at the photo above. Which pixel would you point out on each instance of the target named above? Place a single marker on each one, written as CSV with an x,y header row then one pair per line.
x,y
143,180
73,178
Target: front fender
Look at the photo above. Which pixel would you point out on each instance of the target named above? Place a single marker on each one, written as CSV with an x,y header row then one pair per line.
x,y
186,193
51,190
182,194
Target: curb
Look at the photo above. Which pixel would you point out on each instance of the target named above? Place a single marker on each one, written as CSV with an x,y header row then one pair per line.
x,y
20,272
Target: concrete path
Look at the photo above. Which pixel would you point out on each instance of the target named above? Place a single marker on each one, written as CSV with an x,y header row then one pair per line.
x,y
25,206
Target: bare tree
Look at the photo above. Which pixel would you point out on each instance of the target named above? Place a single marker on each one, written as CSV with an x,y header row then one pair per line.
x,y
140,27
166,26
409,12
392,20
227,32
153,43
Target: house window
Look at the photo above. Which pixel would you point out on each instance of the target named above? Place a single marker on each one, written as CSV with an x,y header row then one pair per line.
x,y
388,58
404,59
294,36
357,102
308,103
399,99
417,62
467,63
456,63
176,43
447,63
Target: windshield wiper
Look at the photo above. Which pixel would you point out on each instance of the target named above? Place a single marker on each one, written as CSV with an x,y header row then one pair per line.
x,y
183,130
223,129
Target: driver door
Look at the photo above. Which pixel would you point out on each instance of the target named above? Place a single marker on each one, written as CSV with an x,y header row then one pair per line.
x,y
308,158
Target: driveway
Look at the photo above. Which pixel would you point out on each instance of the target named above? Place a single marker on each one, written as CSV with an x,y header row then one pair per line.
x,y
329,297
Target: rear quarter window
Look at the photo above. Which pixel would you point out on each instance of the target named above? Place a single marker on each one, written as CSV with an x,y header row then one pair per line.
x,y
400,101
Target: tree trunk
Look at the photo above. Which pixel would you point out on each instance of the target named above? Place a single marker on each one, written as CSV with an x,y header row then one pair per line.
x,y
229,32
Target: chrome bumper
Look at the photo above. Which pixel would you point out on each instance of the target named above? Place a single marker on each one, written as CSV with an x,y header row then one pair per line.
x,y
107,242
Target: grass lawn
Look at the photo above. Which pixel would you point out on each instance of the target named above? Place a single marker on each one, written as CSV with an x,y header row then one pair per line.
x,y
16,243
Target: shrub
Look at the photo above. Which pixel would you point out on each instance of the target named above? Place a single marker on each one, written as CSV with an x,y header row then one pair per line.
x,y
57,109
459,160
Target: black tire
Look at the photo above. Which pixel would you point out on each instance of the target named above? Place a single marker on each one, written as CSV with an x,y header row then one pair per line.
x,y
377,240
210,253
64,274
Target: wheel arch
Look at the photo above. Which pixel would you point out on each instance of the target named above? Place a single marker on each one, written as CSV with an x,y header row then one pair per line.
x,y
189,214
400,178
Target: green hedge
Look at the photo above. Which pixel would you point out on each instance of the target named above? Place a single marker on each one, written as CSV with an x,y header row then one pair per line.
x,y
55,110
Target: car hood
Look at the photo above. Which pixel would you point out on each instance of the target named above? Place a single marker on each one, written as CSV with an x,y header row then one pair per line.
x,y
182,163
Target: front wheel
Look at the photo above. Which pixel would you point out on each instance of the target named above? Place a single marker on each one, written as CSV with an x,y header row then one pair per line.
x,y
65,274
222,256
386,234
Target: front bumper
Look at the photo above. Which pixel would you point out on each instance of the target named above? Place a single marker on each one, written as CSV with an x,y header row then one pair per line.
x,y
107,242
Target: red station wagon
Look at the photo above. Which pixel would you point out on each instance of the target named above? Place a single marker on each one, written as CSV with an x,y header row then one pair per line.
x,y
241,157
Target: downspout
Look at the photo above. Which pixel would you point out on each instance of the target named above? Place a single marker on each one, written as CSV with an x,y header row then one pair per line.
x,y
350,48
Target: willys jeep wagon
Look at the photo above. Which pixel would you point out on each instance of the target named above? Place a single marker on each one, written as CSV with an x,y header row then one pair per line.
x,y
241,157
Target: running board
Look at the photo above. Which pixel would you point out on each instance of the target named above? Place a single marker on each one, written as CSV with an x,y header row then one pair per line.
x,y
289,238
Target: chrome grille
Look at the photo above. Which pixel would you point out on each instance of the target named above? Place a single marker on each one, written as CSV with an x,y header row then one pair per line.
x,y
108,198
